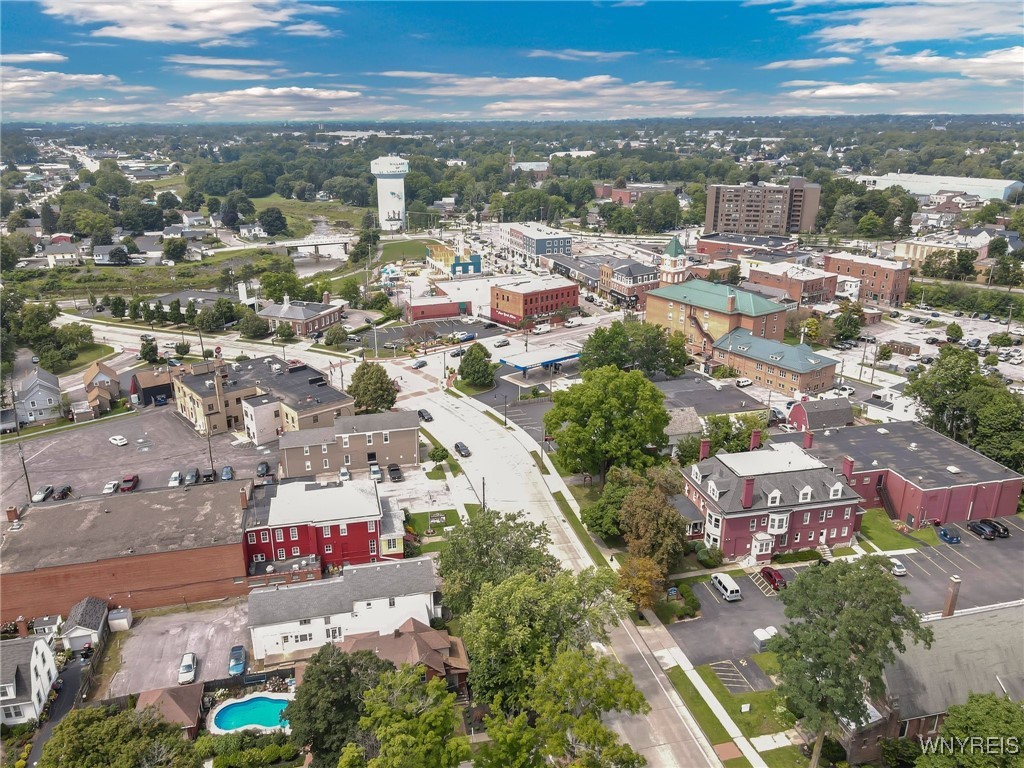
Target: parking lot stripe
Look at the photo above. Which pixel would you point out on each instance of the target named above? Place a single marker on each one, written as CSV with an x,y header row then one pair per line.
x,y
916,565
950,559
707,586
1012,522
932,561
959,552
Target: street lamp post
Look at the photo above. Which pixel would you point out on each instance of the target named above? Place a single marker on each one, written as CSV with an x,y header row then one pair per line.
x,y
504,414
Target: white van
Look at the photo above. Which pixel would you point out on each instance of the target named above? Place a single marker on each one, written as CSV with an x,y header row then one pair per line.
x,y
724,583
573,322
543,328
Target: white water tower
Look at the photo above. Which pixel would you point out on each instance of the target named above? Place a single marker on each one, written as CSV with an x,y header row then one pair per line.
x,y
390,172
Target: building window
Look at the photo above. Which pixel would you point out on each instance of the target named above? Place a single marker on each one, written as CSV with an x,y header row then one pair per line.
x,y
293,533
846,531
309,466
305,450
821,516
344,441
251,537
327,463
807,518
295,551
348,459
327,531
753,524
279,534
280,554
316,419
259,557
796,537
265,536
387,438
373,546
369,439
305,622
805,495
328,549
391,602
343,530
371,526
323,448
13,712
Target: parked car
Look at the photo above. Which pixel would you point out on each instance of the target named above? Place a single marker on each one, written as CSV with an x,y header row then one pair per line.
x,y
981,530
147,337
419,364
174,364
394,473
169,344
743,382
462,450
192,477
949,535
1001,530
424,415
228,473
129,483
390,345
958,313
62,492
236,660
355,339
775,579
167,262
159,400
111,487
488,326
375,474
846,390
208,475
502,343
43,493
344,475
787,428
457,352
119,440
983,316
348,328
35,358
262,469
176,478
896,568
187,669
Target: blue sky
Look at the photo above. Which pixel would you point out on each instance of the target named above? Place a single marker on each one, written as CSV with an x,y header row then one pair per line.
x,y
271,60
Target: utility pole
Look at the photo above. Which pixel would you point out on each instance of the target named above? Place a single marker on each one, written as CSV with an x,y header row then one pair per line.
x,y
17,431
483,495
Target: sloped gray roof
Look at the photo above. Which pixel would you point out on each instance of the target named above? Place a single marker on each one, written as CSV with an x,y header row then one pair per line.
x,y
87,613
830,412
296,310
927,682
275,605
376,422
39,376
16,666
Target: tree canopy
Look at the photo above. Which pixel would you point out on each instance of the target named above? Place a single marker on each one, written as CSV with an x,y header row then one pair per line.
x,y
630,344
476,367
985,715
372,388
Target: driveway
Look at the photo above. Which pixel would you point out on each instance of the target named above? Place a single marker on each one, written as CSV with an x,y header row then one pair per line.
x,y
153,651
72,676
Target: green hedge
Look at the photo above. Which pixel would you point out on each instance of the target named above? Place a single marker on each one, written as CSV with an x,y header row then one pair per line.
x,y
802,556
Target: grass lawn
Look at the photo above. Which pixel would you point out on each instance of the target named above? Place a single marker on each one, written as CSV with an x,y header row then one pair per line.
x,y
581,532
171,182
109,664
400,250
711,725
433,546
768,662
437,473
469,389
299,212
453,393
87,355
431,438
60,425
737,762
585,494
420,521
927,535
843,551
454,467
540,463
762,718
495,418
785,757
878,528
471,509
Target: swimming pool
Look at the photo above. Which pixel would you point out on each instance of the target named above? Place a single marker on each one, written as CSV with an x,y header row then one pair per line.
x,y
259,711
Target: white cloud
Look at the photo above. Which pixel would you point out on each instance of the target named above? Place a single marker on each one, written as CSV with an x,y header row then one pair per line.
x,y
803,83
574,54
185,21
213,61
900,22
942,88
310,29
846,91
1001,67
31,58
830,61
288,103
217,73
18,85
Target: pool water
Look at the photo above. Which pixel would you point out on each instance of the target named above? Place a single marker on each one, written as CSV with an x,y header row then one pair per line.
x,y
257,711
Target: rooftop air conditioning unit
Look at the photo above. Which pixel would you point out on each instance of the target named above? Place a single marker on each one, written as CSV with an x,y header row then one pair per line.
x,y
209,383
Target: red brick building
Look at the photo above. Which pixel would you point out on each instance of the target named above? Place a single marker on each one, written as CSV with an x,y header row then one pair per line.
x,y
881,281
804,285
533,299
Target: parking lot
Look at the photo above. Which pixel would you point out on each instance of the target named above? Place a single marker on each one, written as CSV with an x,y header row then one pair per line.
x,y
159,442
152,652
990,572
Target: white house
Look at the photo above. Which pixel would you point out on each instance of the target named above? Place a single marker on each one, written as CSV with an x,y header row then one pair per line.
x,y
251,230
39,397
289,622
192,219
86,623
890,404
27,672
848,288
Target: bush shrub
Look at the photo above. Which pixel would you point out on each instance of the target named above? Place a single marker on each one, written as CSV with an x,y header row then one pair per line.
x,y
710,558
270,754
228,744
205,746
832,751
288,751
802,556
20,764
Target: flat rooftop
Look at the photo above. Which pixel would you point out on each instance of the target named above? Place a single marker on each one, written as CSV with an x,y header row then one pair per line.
x,y
921,455
786,457
122,524
305,502
697,392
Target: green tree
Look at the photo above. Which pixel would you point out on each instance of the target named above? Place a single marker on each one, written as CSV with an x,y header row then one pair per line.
x,y
847,622
602,517
350,290
954,332
118,307
252,326
285,332
611,418
652,527
149,351
276,285
335,336
606,346
640,581
167,200
523,622
413,721
491,547
174,311
372,389
74,335
476,367
325,711
983,714
273,221
182,348
514,743
208,320
175,248
438,454
572,693
940,389
883,353
100,737
48,218
191,312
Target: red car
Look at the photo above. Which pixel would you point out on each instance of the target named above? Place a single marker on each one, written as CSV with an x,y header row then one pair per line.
x,y
129,483
773,577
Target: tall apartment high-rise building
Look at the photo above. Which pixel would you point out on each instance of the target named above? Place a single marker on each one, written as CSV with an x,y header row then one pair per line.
x,y
762,209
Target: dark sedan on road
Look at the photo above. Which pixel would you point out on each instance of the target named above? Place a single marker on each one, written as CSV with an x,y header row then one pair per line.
x,y
981,530
394,473
949,535
424,415
1001,530
62,492
262,469
462,449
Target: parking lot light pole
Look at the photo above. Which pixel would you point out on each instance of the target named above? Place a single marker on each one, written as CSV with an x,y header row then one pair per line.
x,y
504,414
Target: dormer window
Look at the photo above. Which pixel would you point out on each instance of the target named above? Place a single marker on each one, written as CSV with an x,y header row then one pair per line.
x,y
774,498
805,494
712,490
836,491
695,474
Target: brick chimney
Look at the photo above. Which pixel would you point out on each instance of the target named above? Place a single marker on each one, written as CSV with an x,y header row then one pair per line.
x,y
848,468
327,297
954,591
755,439
808,440
730,301
245,497
13,513
748,493
705,449
22,624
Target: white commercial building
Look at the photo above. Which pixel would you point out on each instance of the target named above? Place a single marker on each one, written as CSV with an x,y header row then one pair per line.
x,y
390,172
921,184
292,621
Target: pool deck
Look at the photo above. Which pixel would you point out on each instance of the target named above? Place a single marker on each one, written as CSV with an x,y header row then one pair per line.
x,y
211,720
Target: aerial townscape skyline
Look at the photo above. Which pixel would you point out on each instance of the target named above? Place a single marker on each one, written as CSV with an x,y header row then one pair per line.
x,y
483,384
273,60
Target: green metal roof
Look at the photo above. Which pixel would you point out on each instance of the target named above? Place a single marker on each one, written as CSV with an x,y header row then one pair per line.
x,y
714,296
798,358
673,248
